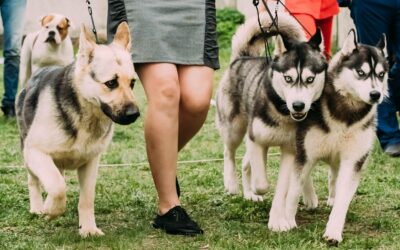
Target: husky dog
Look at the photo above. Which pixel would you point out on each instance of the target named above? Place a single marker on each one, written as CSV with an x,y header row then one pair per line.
x,y
266,100
49,46
65,117
343,133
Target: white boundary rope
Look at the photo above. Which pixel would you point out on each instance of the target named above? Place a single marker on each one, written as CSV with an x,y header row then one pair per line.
x,y
145,163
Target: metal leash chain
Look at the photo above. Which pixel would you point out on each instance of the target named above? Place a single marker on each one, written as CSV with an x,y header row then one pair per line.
x,y
91,17
266,45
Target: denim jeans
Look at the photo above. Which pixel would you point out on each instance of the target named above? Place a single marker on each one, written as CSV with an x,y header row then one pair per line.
x,y
372,18
12,14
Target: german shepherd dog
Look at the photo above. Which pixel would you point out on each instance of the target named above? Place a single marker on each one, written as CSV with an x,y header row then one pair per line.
x,y
266,100
65,117
342,134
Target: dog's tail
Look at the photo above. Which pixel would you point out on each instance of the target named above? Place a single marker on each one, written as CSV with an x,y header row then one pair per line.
x,y
249,41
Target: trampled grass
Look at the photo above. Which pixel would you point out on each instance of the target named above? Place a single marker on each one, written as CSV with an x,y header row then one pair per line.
x,y
126,201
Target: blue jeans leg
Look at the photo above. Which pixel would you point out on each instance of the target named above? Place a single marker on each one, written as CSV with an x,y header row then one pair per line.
x,y
12,13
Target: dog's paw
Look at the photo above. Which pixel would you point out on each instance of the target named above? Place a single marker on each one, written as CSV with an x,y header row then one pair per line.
x,y
54,207
85,231
259,187
280,224
253,197
231,186
330,202
310,201
37,209
332,239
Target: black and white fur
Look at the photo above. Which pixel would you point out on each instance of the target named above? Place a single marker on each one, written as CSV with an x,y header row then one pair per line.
x,y
266,100
342,134
65,117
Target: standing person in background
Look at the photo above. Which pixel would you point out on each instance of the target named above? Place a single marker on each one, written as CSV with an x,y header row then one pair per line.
x,y
175,52
12,14
372,18
313,14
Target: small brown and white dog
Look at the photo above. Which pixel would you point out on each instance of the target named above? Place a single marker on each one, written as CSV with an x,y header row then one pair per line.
x,y
51,45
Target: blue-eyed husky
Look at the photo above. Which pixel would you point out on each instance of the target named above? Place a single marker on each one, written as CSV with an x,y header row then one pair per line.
x,y
65,117
266,100
342,134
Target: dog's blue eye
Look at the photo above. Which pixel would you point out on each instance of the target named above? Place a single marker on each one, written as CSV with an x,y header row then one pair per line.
x,y
310,79
381,75
112,84
360,72
288,79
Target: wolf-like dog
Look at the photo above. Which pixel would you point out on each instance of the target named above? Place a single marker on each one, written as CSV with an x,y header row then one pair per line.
x,y
343,133
266,99
65,117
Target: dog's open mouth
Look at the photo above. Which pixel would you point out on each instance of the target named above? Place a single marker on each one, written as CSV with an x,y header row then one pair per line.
x,y
298,116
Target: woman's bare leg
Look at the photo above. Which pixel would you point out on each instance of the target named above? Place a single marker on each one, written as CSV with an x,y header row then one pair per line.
x,y
161,84
196,83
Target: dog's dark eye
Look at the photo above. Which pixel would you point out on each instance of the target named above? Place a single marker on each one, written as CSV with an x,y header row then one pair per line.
x,y
288,79
360,72
132,83
381,75
112,84
310,79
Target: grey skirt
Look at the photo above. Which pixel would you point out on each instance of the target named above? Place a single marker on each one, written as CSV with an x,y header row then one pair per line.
x,y
172,31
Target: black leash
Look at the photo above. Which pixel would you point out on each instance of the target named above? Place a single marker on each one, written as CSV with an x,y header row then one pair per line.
x,y
91,17
268,56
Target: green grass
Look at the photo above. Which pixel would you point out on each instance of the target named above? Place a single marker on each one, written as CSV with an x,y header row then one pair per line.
x,y
126,201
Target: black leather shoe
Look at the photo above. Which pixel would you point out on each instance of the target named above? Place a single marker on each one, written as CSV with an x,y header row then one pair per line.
x,y
392,150
177,221
9,111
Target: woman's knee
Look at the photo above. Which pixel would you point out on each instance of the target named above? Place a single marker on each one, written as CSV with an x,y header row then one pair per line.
x,y
195,103
161,85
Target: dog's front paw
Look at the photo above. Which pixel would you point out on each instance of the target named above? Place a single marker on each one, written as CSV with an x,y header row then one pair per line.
x,y
37,209
86,231
253,197
54,206
231,185
280,224
332,238
259,186
310,201
330,202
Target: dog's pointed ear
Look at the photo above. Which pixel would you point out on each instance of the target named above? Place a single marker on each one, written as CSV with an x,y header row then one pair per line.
x,y
382,45
316,40
287,42
86,43
122,36
279,46
350,44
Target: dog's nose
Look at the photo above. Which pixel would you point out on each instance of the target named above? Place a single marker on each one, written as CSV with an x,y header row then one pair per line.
x,y
52,33
298,106
131,113
374,95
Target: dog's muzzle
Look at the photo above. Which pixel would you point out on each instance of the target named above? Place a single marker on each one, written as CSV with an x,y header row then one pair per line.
x,y
128,115
51,37
298,115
